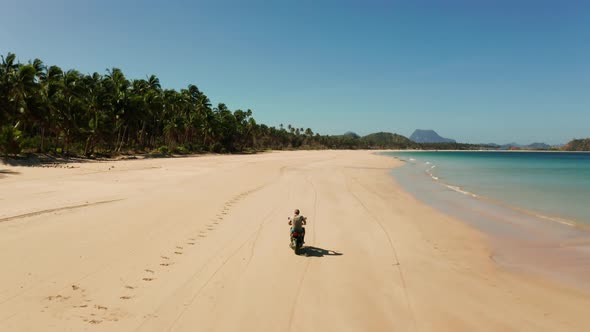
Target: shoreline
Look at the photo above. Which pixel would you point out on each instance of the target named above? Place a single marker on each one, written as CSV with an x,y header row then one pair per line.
x,y
552,216
513,231
33,159
201,241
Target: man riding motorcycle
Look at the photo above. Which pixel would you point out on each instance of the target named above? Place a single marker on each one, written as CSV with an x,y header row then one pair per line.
x,y
297,223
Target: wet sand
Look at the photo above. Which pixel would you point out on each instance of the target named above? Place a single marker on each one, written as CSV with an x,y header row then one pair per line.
x,y
201,243
519,240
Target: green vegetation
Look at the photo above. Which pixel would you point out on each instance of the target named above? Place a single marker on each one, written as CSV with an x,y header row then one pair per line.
x,y
45,109
387,141
454,146
578,145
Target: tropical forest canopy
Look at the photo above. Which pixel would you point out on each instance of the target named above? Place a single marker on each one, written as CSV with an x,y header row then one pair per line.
x,y
47,109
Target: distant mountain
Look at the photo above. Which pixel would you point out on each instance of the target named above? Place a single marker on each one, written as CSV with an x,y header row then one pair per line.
x,y
532,146
510,146
387,141
538,146
351,134
578,145
429,136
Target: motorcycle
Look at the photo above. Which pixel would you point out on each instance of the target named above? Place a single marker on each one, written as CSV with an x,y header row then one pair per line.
x,y
296,241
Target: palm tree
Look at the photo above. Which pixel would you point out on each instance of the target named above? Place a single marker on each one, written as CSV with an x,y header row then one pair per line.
x,y
8,69
119,86
89,113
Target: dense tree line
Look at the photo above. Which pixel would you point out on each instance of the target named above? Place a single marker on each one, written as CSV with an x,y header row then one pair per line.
x,y
47,109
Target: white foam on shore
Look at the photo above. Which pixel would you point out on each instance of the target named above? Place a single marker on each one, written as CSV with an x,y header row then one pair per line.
x,y
557,220
460,190
429,171
454,188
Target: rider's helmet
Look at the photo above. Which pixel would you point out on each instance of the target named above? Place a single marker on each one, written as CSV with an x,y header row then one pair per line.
x,y
296,212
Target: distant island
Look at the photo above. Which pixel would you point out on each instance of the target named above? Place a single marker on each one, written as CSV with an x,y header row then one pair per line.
x,y
429,136
516,146
578,145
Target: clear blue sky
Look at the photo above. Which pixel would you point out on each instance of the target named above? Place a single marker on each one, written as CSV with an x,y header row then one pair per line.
x,y
475,71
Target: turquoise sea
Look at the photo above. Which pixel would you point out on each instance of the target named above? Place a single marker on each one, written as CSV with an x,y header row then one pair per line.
x,y
533,206
553,185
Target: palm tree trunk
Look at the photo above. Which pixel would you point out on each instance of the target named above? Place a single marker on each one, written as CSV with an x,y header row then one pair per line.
x,y
88,144
42,143
122,139
141,134
66,143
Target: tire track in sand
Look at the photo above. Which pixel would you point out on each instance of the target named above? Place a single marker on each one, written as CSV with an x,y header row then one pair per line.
x,y
65,208
252,237
219,253
397,263
302,279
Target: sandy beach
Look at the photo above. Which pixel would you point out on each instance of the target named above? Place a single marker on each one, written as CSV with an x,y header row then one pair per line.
x,y
201,244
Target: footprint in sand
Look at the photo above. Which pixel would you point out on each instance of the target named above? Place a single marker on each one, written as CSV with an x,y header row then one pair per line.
x,y
58,298
178,252
202,235
178,247
149,271
190,243
125,297
165,264
164,257
147,279
94,321
129,287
